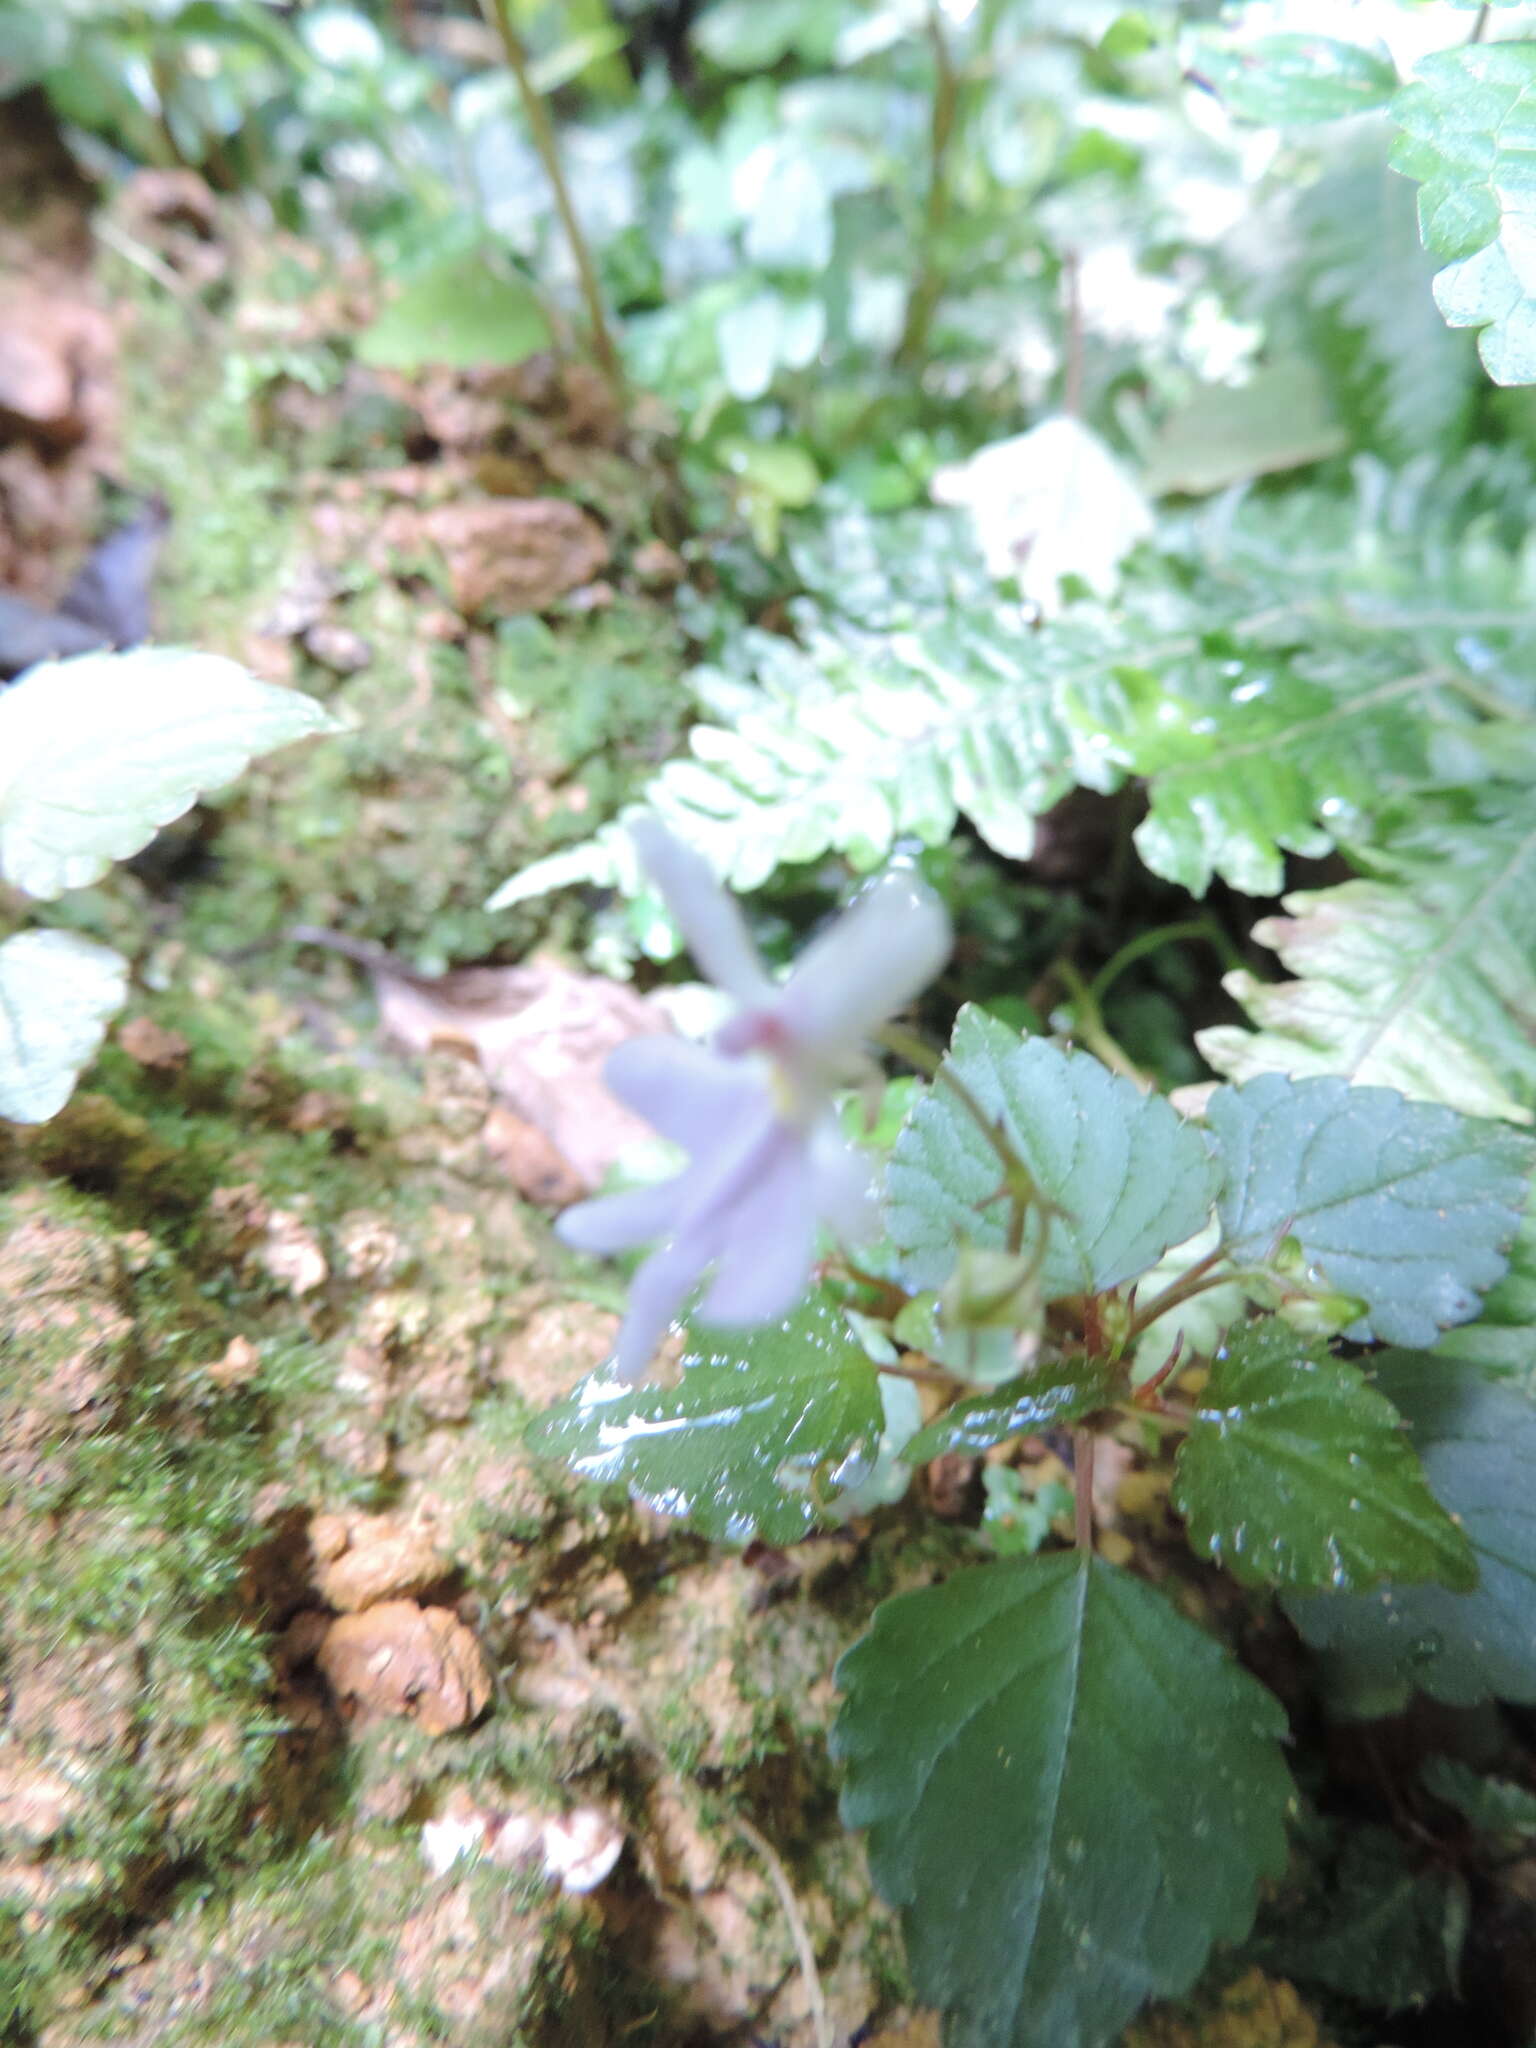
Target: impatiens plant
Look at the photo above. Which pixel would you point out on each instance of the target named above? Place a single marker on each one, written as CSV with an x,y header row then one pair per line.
x,y
1072,1789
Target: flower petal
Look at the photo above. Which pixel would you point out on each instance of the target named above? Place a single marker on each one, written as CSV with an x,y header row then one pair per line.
x,y
656,1293
843,1178
706,915
877,956
616,1223
765,1263
690,1094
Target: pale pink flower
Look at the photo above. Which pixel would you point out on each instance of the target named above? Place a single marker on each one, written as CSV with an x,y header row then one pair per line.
x,y
768,1163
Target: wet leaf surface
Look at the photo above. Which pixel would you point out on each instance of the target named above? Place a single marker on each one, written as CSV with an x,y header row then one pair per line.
x,y
1296,1472
1017,1742
1058,1393
761,1425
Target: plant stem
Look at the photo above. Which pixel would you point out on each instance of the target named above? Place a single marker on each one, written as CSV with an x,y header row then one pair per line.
x,y
498,14
1088,1025
927,1376
1198,1280
1144,943
1480,26
1083,1442
1018,1181
928,289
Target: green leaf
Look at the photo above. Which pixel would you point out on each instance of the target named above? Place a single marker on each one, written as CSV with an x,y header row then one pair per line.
x,y
1130,1176
767,333
1421,976
739,1443
1477,1444
98,752
1296,1472
1403,1205
1057,1393
1234,779
1019,1743
1376,1925
1224,434
1291,80
1494,1806
459,312
752,35
1503,1339
58,993
1469,131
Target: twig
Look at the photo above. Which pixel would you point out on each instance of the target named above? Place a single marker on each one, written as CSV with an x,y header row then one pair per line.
x,y
926,292
541,130
1203,927
799,1933
122,244
1480,26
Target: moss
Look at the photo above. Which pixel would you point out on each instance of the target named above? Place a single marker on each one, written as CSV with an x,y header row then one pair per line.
x,y
400,828
192,435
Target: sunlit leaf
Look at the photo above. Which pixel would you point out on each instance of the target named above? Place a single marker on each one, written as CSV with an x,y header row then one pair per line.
x,y
1049,504
761,1426
1296,1472
1291,80
1018,1741
1403,1205
1224,434
1130,1177
98,752
1421,976
1469,123
459,312
58,993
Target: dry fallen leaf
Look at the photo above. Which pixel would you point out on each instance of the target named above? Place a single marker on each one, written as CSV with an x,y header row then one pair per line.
x,y
239,1365
538,1171
541,1033
152,1046
515,554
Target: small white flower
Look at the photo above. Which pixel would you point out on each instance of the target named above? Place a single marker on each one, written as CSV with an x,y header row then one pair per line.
x,y
754,1112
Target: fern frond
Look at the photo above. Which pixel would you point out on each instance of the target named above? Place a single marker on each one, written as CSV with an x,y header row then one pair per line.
x,y
1361,261
1421,976
1281,671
